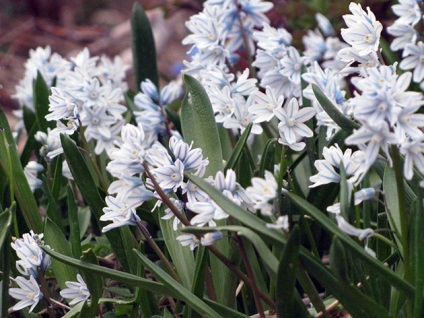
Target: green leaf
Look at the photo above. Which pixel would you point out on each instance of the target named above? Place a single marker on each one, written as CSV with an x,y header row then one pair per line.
x,y
94,285
266,256
417,255
391,198
226,145
378,268
54,238
240,214
198,124
178,290
22,191
74,229
268,157
53,209
74,311
41,103
345,123
224,311
182,257
344,194
143,48
355,302
338,261
5,222
31,127
285,294
88,188
5,259
235,155
130,279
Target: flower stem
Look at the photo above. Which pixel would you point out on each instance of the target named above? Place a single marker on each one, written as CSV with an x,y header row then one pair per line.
x,y
157,250
252,277
211,248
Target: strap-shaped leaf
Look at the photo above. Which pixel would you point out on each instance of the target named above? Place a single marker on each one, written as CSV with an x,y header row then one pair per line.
x,y
345,123
132,280
181,256
94,285
199,126
287,300
375,265
23,193
267,257
238,149
88,188
41,103
5,223
178,290
355,301
240,214
55,238
143,48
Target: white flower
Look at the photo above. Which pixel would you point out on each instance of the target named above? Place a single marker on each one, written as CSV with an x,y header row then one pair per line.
x,y
29,293
120,213
291,65
169,214
210,238
292,126
265,105
262,191
31,170
77,291
333,157
414,60
414,154
188,240
363,32
408,12
281,223
31,256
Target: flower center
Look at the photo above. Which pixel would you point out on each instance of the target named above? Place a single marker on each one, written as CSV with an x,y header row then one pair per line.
x,y
269,106
175,177
292,122
369,38
296,67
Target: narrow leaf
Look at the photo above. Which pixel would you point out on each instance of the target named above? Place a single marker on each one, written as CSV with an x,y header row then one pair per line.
x,y
181,256
384,272
23,193
88,188
143,48
181,293
285,294
41,103
132,280
345,123
198,124
54,238
240,214
235,155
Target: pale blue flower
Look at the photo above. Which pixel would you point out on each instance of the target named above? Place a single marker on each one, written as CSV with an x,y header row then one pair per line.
x,y
292,119
119,212
414,60
363,32
77,291
29,293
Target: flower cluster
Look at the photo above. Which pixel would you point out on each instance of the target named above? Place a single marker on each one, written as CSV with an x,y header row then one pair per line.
x,y
410,13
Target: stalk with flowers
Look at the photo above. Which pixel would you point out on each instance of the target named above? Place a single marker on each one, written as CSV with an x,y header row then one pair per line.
x,y
290,187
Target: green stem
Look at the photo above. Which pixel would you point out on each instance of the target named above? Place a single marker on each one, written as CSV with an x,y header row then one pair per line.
x,y
403,214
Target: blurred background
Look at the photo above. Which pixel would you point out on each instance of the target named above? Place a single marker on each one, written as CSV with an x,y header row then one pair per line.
x,y
103,26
